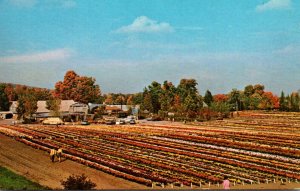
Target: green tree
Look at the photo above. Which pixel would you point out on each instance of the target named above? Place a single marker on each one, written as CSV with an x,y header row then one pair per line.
x,y
208,98
294,102
54,106
27,105
190,99
221,107
255,100
4,102
147,101
259,89
282,102
249,90
137,99
234,99
155,91
192,105
186,87
167,96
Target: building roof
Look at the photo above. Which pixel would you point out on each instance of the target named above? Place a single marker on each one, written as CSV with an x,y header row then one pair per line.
x,y
115,108
42,107
65,105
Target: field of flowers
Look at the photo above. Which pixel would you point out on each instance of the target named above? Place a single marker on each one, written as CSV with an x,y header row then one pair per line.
x,y
257,147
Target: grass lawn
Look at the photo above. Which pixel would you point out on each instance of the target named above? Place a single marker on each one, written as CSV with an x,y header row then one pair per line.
x,y
12,181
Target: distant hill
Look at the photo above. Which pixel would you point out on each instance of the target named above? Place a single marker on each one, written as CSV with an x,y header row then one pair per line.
x,y
14,85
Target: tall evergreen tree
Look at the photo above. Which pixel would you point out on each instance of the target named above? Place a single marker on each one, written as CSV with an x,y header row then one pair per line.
x,y
4,102
282,102
208,98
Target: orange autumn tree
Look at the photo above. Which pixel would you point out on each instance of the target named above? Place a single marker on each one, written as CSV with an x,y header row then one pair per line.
x,y
269,101
78,88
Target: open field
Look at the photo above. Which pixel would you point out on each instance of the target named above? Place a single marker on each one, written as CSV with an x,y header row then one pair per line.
x,y
254,150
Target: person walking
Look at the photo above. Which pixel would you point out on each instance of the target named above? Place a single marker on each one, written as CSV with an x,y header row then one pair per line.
x,y
52,154
226,183
59,154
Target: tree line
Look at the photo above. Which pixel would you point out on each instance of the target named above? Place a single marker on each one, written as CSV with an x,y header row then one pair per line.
x,y
182,101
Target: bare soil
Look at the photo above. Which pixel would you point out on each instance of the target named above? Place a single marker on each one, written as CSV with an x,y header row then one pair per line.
x,y
36,165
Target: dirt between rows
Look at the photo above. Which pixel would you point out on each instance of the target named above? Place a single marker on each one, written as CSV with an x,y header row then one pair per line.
x,y
36,165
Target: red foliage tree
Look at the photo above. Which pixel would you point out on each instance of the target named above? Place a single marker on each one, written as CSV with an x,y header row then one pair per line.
x,y
220,98
78,88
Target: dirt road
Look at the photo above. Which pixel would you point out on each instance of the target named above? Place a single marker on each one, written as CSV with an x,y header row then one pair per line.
x,y
36,165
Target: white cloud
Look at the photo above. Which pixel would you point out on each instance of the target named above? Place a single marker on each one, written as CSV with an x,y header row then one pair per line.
x,y
274,4
23,3
52,55
144,24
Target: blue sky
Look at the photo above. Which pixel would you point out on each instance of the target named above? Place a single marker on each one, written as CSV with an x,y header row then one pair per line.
x,y
126,45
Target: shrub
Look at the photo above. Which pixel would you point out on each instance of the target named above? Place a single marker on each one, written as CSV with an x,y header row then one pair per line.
x,y
78,182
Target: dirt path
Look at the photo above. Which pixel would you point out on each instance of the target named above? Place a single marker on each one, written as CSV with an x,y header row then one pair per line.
x,y
35,165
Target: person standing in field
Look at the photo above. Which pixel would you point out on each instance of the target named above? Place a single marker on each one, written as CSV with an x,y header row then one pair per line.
x,y
52,154
226,183
59,154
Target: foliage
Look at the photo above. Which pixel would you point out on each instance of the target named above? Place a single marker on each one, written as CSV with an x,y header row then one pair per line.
x,y
4,101
155,92
269,101
234,99
220,98
78,182
222,107
27,105
54,105
12,181
78,88
167,96
208,98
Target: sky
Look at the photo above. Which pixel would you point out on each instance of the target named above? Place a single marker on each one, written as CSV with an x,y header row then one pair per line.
x,y
127,44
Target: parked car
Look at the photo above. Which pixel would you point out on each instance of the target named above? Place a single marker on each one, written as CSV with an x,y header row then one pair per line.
x,y
132,121
110,120
120,122
53,121
85,123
